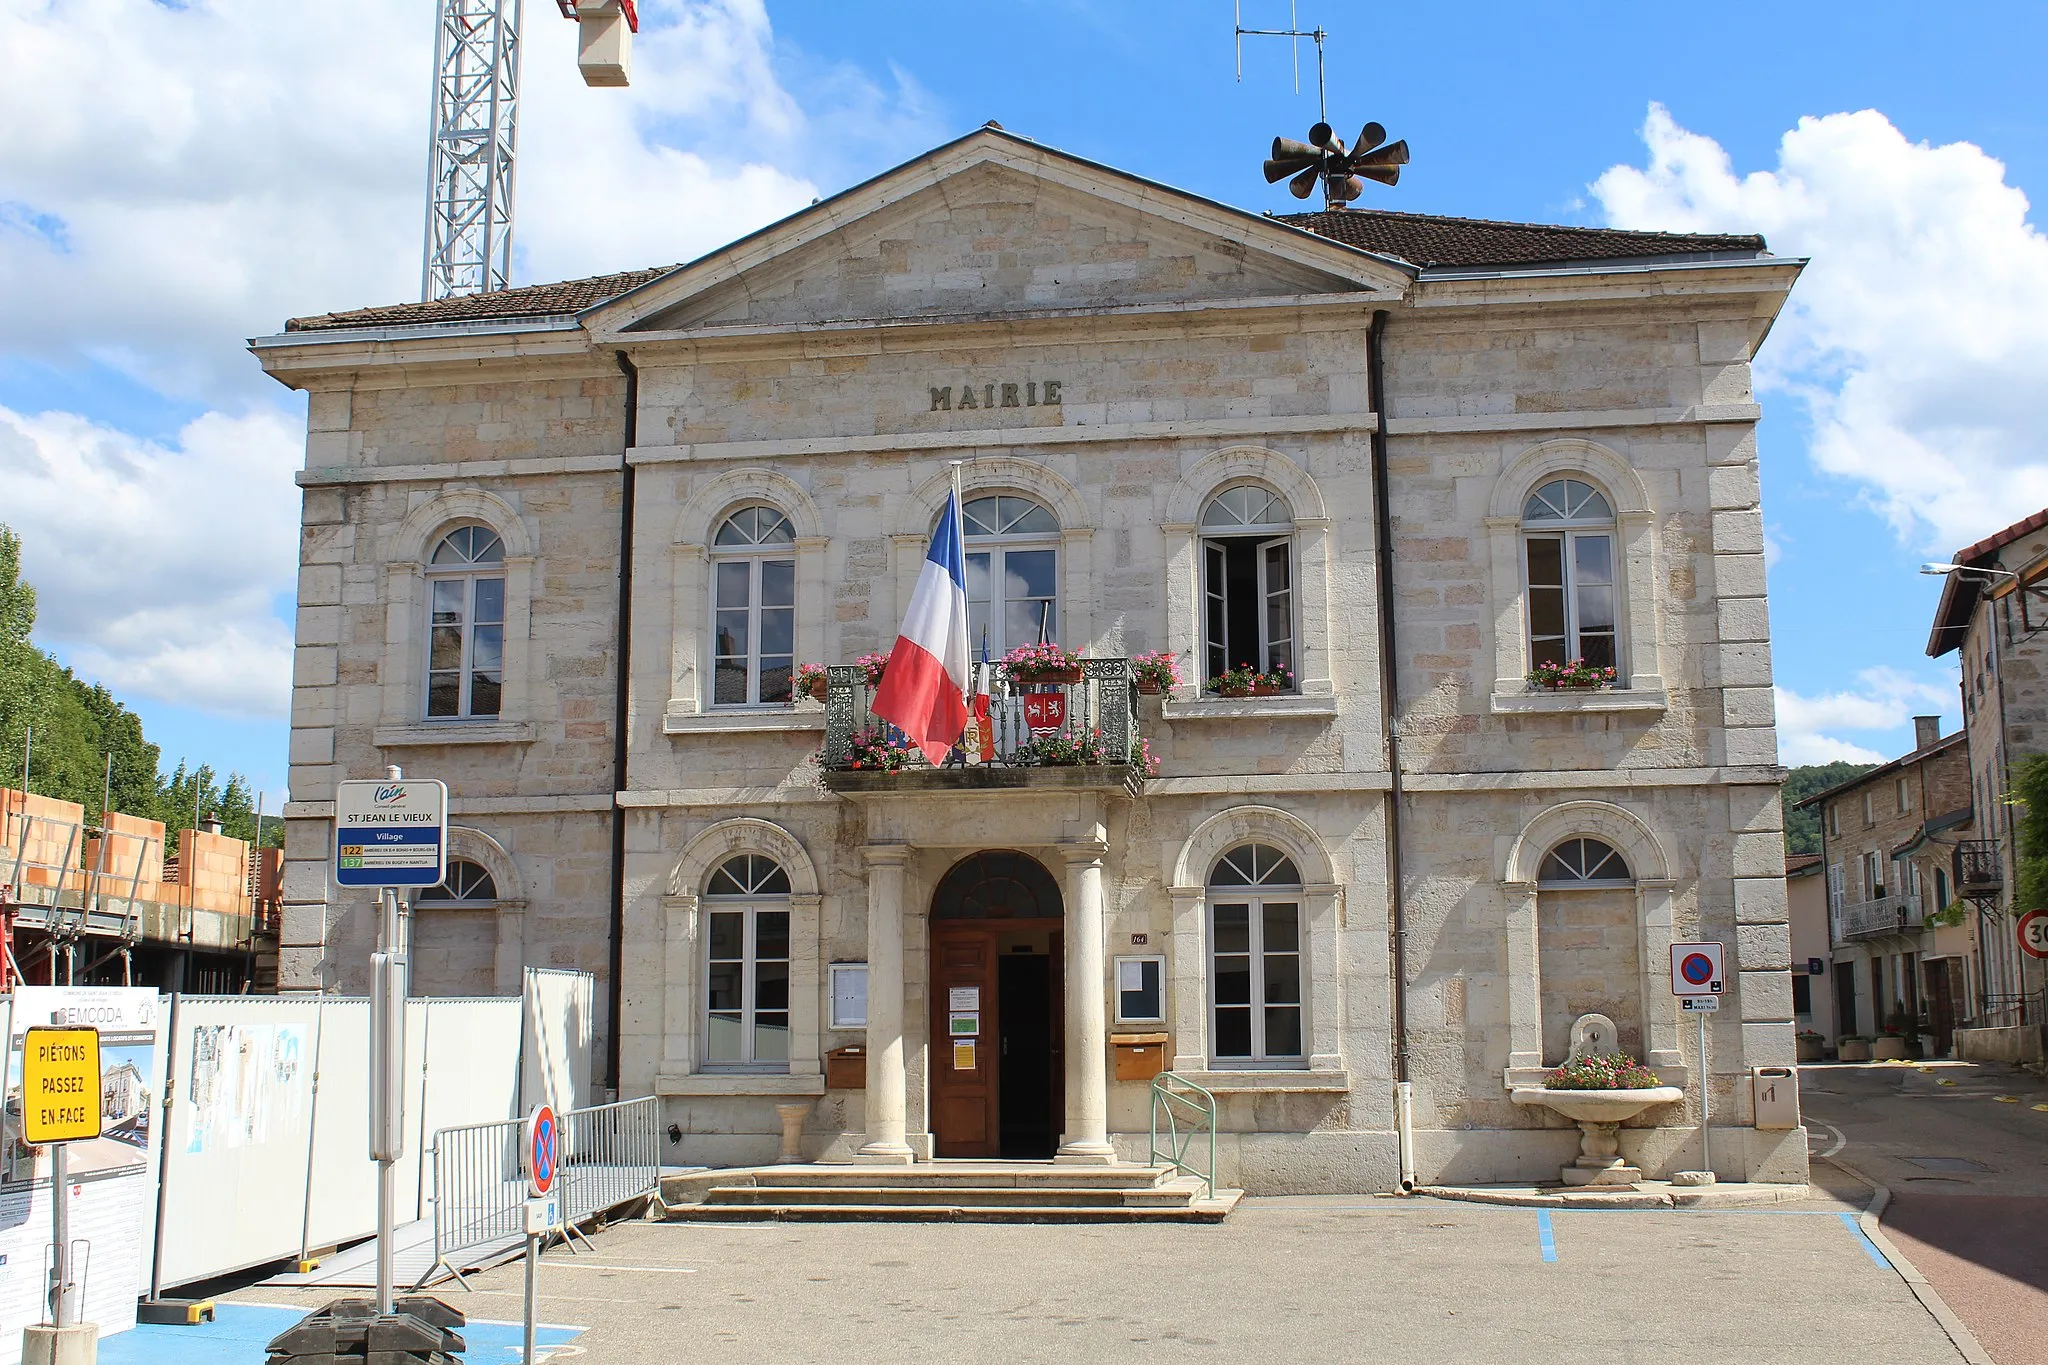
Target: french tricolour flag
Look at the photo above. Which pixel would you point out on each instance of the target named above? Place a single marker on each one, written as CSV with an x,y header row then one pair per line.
x,y
924,689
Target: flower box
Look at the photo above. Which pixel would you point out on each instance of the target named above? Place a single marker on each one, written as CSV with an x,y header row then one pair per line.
x,y
1853,1050
1890,1048
1155,673
1809,1045
1029,676
1149,687
1266,689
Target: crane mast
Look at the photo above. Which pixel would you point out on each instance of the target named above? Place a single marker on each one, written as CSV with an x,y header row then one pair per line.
x,y
473,130
474,123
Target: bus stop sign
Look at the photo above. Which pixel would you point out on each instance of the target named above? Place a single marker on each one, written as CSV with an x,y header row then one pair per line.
x,y
391,833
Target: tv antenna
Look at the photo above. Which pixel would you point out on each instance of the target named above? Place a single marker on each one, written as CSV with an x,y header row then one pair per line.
x,y
1294,30
1343,172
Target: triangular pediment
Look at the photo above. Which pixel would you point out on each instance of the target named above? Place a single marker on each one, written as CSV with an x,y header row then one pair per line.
x,y
995,225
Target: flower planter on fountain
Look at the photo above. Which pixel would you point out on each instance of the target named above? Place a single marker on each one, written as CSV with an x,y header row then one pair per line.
x,y
1598,1112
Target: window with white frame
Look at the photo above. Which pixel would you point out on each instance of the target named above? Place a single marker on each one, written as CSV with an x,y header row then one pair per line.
x,y
1835,819
1248,616
1902,795
1569,575
753,605
1255,952
1873,876
1013,559
1583,864
466,625
465,882
746,976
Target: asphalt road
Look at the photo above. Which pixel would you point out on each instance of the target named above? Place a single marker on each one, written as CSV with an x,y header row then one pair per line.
x,y
1343,1278
1964,1150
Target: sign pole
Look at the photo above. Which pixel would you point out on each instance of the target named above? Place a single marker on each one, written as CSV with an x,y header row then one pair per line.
x,y
532,1271
542,1158
63,1308
1706,1085
388,834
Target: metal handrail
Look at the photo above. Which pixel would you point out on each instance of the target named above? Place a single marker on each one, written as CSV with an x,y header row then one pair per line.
x,y
1099,710
1199,1114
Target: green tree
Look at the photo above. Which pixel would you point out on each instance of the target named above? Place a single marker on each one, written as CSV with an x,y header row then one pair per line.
x,y
77,726
2029,796
1802,827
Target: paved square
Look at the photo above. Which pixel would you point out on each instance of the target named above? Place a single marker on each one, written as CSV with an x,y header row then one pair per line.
x,y
1327,1277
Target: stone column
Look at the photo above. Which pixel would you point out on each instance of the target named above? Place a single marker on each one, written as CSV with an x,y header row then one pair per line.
x,y
1086,1140
886,1086
1525,986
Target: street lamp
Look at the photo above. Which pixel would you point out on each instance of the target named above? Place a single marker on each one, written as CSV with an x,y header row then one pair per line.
x,y
1939,569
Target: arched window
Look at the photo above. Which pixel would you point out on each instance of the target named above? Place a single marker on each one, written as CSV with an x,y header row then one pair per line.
x,y
1255,949
746,936
1583,863
466,626
1568,560
1012,571
466,882
1248,582
753,603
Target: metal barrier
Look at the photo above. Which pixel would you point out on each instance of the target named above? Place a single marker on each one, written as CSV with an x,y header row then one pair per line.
x,y
610,1156
1187,1119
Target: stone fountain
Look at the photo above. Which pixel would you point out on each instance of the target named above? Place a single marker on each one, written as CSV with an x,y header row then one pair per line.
x,y
1599,1113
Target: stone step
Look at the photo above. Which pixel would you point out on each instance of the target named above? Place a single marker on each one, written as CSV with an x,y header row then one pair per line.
x,y
690,1186
1199,1211
966,1196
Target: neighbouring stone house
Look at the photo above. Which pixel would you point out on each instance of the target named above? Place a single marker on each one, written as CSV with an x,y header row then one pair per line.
x,y
1992,617
1813,1006
565,546
1888,839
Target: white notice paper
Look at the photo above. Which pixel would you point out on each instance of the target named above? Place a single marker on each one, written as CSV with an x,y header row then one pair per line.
x,y
963,998
1130,975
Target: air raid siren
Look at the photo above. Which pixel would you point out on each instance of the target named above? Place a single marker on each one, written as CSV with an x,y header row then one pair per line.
x,y
1342,172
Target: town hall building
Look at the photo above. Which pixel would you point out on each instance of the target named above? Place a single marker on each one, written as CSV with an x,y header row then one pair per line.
x,y
1450,527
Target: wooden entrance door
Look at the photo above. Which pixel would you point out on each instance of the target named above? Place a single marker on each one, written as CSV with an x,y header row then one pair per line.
x,y
972,1116
965,1096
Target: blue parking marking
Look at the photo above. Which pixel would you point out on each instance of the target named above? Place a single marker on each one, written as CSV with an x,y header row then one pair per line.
x,y
1869,1247
1546,1240
239,1332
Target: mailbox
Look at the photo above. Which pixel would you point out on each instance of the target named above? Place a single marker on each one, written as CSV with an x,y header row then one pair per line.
x,y
1139,1056
846,1068
1774,1091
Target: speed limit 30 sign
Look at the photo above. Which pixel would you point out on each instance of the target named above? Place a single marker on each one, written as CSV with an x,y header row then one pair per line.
x,y
2033,929
1696,969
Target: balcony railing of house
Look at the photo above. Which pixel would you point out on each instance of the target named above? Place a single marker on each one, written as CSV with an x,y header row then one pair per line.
x,y
1077,729
1884,915
1979,873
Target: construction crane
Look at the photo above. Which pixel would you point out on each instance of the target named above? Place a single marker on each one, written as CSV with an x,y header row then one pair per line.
x,y
473,127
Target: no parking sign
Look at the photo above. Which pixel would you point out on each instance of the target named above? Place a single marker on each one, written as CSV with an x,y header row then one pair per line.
x,y
1696,969
543,1151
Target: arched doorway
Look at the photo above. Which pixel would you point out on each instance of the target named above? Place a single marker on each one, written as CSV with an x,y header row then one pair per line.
x,y
997,998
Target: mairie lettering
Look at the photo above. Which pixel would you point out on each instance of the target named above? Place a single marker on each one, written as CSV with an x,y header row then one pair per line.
x,y
1032,393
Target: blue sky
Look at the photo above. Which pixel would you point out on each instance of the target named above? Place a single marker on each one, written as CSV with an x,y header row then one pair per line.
x,y
210,169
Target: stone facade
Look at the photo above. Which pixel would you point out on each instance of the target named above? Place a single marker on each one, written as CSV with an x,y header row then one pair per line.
x,y
1886,843
1991,616
1130,352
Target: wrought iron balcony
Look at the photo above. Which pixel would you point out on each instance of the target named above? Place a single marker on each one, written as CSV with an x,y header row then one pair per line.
x,y
1979,871
1075,732
1884,915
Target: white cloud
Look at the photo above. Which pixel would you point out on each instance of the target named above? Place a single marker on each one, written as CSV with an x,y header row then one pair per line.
x,y
197,173
200,173
1809,727
1918,337
156,566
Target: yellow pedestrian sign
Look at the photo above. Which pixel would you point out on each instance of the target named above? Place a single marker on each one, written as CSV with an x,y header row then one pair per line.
x,y
60,1085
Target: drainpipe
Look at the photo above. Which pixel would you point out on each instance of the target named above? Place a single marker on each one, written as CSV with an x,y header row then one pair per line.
x,y
615,991
1390,709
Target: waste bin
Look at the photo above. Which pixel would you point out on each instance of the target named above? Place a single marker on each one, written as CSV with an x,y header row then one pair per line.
x,y
1774,1093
